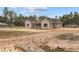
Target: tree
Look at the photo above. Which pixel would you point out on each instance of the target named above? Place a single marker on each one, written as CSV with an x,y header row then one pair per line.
x,y
32,17
2,19
11,16
19,21
5,14
56,17
76,18
5,11
71,18
42,17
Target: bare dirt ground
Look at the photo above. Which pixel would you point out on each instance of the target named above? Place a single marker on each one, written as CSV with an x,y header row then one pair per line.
x,y
23,29
42,40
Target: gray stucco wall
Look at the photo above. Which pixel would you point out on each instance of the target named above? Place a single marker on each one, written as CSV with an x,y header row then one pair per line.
x,y
49,25
28,24
58,25
45,22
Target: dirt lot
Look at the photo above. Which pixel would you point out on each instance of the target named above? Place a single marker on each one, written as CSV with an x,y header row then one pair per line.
x,y
9,34
33,40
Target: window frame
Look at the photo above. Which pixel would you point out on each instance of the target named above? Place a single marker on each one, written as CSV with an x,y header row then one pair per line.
x,y
45,25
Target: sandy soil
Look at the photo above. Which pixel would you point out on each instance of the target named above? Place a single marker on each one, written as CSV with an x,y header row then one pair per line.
x,y
32,42
24,29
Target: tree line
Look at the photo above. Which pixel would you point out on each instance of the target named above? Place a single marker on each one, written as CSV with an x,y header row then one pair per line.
x,y
70,19
11,18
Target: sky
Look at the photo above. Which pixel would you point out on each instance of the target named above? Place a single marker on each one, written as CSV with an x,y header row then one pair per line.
x,y
39,11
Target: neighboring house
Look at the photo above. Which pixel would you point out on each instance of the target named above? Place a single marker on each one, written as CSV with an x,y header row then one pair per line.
x,y
3,25
43,24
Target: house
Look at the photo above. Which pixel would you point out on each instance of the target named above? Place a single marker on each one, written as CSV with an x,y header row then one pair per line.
x,y
43,24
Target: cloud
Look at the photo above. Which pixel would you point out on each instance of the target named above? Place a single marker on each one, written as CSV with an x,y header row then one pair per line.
x,y
30,9
36,9
12,8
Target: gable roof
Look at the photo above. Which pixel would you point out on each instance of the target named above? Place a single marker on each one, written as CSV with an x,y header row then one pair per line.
x,y
50,20
34,21
54,20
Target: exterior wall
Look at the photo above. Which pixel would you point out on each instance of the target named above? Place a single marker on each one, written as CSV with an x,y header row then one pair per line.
x,y
38,25
45,22
57,25
28,24
60,25
51,25
34,25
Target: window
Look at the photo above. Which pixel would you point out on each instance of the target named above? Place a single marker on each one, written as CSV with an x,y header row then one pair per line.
x,y
45,25
27,25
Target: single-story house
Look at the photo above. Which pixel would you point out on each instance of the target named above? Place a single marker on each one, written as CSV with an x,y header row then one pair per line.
x,y
43,24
